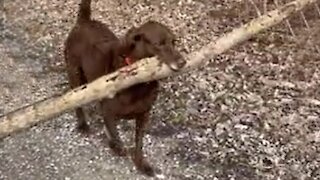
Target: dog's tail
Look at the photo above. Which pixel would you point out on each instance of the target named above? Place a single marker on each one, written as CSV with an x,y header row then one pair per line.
x,y
84,13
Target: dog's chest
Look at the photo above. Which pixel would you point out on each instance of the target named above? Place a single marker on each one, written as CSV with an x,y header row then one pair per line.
x,y
136,99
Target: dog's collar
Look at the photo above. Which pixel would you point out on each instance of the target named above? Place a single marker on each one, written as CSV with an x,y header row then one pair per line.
x,y
128,60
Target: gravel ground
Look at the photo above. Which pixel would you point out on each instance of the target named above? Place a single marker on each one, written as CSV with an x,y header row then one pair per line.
x,y
251,113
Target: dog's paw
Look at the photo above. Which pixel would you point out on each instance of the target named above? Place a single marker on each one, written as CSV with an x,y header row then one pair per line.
x,y
147,169
144,167
83,128
120,152
117,148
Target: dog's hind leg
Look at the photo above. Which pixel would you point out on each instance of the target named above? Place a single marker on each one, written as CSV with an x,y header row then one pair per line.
x,y
76,78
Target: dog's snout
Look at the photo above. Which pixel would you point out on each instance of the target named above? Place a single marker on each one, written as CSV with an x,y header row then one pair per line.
x,y
174,66
177,64
181,62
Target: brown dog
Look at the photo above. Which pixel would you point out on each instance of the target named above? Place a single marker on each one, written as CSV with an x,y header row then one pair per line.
x,y
92,50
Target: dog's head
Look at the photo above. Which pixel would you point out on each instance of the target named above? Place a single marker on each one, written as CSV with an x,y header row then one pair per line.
x,y
153,39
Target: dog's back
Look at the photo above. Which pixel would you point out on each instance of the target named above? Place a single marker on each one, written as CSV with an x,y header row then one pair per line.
x,y
85,45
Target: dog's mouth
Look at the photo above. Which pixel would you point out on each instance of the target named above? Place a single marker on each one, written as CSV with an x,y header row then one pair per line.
x,y
127,59
173,59
176,66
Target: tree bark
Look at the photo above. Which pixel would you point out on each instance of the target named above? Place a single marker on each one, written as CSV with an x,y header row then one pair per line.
x,y
143,71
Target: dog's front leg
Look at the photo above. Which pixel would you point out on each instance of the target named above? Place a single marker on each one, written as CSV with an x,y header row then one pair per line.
x,y
140,162
110,122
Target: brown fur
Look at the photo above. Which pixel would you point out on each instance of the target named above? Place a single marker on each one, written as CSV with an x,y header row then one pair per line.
x,y
92,50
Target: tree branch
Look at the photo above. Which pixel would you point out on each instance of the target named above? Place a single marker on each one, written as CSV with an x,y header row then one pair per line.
x,y
143,71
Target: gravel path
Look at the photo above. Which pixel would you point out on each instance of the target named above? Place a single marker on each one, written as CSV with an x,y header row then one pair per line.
x,y
252,113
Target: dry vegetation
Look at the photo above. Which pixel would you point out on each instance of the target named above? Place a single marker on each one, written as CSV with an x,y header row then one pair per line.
x,y
252,113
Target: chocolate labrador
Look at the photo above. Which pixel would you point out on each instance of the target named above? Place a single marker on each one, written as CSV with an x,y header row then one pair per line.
x,y
92,50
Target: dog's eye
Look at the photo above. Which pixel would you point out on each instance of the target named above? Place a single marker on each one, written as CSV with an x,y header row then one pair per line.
x,y
132,46
137,37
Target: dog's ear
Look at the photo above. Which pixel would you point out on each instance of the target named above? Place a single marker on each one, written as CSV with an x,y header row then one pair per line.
x,y
131,31
137,37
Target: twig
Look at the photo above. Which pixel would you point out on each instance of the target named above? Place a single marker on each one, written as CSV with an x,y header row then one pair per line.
x,y
304,20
